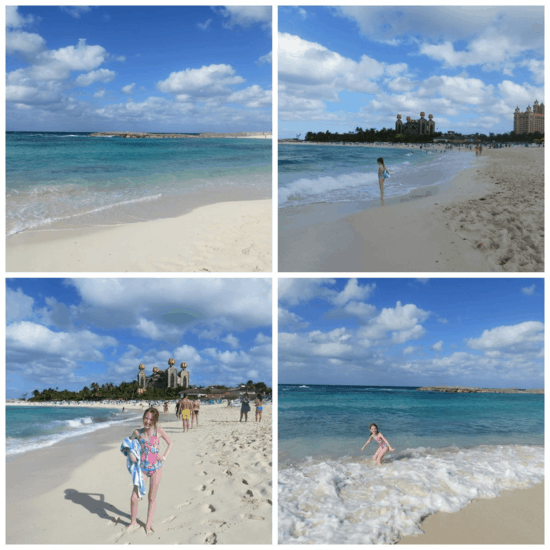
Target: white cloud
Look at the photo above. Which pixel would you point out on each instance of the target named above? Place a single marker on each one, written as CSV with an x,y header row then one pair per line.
x,y
19,306
353,291
15,20
205,25
267,58
438,346
128,89
233,341
529,290
294,291
247,16
101,75
514,337
289,319
23,42
76,11
100,93
208,81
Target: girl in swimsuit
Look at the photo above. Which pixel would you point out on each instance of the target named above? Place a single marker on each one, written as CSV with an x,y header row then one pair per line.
x,y
151,463
259,409
381,177
195,412
384,446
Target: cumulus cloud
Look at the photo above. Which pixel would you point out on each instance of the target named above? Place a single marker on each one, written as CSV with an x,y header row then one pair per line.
x,y
205,25
76,11
529,290
513,337
438,346
247,16
129,88
19,306
101,75
15,20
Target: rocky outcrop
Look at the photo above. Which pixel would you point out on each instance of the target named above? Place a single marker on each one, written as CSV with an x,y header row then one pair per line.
x,y
466,389
138,135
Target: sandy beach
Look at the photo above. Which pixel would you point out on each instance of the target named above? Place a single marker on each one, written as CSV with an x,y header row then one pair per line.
x,y
222,237
216,486
489,218
516,517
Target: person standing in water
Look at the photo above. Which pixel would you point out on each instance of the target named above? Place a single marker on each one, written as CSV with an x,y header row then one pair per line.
x,y
383,173
383,443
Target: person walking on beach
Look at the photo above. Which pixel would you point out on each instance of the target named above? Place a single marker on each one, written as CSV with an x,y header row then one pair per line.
x,y
245,408
259,409
179,405
383,173
186,412
151,463
196,406
383,443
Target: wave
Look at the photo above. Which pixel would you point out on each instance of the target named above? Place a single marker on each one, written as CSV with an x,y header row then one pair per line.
x,y
352,501
27,224
73,428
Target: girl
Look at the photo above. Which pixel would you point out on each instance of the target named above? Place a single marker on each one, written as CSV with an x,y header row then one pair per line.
x,y
259,409
381,440
383,173
151,463
245,408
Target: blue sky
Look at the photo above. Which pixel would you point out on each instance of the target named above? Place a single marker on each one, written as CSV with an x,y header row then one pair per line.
x,y
178,68
68,333
469,66
412,332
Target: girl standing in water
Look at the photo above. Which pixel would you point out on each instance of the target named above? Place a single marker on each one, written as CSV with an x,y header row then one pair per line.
x,y
381,440
151,463
383,173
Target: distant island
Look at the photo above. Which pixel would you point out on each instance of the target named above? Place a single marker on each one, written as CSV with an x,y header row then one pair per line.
x,y
466,389
137,135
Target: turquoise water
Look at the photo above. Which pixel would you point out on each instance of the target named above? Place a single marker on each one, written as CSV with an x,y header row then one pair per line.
x,y
330,173
449,450
34,427
73,179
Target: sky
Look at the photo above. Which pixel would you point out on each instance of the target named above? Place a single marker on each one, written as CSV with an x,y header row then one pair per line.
x,y
346,67
68,333
137,68
412,332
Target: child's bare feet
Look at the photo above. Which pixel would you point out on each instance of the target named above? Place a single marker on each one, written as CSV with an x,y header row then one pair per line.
x,y
149,530
131,528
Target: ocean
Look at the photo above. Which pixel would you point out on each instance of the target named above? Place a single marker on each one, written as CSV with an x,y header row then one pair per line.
x,y
337,174
34,427
449,450
73,180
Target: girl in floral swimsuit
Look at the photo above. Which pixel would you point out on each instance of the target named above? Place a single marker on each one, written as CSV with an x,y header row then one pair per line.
x,y
384,446
151,463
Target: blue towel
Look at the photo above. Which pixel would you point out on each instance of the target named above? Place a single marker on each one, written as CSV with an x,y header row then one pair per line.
x,y
133,446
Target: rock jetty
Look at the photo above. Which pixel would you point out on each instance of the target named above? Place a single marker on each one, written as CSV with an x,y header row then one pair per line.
x,y
466,389
138,135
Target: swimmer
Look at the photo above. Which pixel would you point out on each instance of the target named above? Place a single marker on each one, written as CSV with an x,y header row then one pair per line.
x,y
381,440
151,463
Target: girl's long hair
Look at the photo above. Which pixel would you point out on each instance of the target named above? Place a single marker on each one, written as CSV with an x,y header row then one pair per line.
x,y
380,161
154,413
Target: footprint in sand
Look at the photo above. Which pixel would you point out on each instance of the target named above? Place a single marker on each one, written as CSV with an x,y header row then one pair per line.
x,y
180,506
245,482
203,474
209,509
202,488
249,494
169,519
252,516
198,463
211,538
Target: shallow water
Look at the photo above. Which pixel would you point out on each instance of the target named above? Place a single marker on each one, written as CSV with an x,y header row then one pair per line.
x,y
80,180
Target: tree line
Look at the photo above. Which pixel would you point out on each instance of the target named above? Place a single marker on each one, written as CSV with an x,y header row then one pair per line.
x,y
391,136
128,390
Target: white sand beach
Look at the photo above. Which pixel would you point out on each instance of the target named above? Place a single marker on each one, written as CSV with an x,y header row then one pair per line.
x,y
222,237
490,218
516,517
216,486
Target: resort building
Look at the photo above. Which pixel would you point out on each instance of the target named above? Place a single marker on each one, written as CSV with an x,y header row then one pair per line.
x,y
169,378
532,120
420,127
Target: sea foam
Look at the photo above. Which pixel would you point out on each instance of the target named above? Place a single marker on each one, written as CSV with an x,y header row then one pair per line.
x,y
354,501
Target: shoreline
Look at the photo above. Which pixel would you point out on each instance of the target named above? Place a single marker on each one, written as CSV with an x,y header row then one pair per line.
x,y
216,486
222,237
514,517
425,231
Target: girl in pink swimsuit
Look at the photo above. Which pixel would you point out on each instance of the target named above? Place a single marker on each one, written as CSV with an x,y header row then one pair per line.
x,y
383,443
151,463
